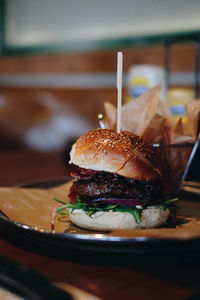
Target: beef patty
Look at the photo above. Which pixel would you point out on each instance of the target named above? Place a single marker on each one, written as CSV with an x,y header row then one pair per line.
x,y
108,185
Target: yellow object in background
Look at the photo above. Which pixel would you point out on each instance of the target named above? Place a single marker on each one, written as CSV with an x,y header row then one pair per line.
x,y
138,85
176,100
140,78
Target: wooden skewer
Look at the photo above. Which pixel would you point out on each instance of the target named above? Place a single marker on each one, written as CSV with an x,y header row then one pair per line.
x,y
119,89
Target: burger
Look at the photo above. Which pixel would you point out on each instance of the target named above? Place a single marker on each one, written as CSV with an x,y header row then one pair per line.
x,y
117,183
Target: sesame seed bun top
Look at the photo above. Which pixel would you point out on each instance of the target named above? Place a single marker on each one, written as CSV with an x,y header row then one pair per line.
x,y
124,154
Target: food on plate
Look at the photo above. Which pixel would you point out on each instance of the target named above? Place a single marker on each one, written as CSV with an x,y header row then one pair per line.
x,y
117,183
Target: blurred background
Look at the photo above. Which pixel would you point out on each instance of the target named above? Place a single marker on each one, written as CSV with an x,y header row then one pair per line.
x,y
58,67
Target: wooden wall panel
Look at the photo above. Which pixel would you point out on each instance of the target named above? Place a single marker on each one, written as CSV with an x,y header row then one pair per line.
x,y
182,59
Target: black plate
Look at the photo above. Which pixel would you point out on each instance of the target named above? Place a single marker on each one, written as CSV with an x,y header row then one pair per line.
x,y
27,284
67,244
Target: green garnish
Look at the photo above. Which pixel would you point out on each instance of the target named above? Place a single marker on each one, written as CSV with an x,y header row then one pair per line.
x,y
62,202
90,210
166,202
134,211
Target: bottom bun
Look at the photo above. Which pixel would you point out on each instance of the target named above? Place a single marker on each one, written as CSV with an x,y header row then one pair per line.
x,y
105,221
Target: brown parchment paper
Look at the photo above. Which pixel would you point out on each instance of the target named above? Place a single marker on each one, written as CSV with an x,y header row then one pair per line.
x,y
151,119
35,207
32,206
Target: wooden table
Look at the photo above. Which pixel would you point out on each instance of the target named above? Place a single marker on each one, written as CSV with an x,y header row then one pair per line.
x,y
138,278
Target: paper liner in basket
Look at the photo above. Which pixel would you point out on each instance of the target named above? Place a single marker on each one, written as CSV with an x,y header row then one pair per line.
x,y
151,119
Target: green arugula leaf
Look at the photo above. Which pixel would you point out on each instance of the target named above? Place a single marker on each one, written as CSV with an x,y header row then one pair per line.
x,y
62,202
135,212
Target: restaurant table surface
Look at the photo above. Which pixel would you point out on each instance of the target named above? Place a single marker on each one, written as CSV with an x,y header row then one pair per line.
x,y
122,277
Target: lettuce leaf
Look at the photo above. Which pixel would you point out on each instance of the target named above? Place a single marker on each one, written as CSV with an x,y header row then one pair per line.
x,y
134,211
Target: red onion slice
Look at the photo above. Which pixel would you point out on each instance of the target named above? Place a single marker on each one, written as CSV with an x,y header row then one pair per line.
x,y
128,202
